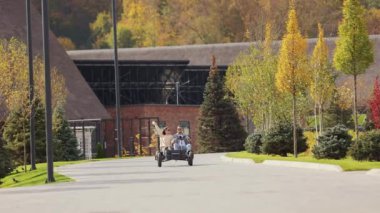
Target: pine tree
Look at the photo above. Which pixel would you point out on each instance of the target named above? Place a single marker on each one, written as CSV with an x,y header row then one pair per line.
x,y
219,125
5,160
16,134
375,104
354,51
65,143
39,117
291,76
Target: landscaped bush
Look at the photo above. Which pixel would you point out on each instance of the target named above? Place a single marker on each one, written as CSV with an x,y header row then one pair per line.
x,y
367,147
279,140
333,144
253,143
369,125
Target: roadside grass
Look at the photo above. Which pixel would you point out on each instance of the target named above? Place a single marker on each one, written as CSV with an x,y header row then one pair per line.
x,y
347,164
19,178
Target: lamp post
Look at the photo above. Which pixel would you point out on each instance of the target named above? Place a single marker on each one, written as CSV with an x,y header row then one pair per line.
x,y
48,113
177,86
31,87
119,134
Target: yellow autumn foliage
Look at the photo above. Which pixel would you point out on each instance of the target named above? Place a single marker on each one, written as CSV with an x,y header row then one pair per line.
x,y
323,85
292,75
14,75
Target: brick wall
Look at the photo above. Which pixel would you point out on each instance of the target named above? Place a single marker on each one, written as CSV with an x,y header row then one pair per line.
x,y
132,116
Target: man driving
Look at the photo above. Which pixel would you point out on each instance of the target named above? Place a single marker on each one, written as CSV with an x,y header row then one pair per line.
x,y
181,141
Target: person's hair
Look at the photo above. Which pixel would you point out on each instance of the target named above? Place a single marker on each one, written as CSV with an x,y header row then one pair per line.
x,y
164,131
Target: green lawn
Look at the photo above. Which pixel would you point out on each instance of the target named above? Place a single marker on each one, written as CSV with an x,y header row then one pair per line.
x,y
35,177
347,164
38,177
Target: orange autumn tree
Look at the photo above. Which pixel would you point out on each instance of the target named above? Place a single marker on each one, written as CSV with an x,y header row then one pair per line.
x,y
292,76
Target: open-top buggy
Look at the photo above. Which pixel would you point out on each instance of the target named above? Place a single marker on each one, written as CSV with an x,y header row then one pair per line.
x,y
167,155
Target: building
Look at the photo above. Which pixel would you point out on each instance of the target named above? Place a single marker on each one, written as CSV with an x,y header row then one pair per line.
x,y
167,83
81,103
164,84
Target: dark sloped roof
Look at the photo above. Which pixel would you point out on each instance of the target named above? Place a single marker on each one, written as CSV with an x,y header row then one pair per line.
x,y
81,101
199,55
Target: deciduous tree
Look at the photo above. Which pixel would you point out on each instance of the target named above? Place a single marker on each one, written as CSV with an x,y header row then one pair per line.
x,y
292,76
354,51
375,104
322,86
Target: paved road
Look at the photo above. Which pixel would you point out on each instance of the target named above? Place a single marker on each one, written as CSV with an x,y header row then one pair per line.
x,y
138,185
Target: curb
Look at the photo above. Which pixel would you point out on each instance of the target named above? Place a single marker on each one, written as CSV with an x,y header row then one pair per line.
x,y
304,165
373,172
236,160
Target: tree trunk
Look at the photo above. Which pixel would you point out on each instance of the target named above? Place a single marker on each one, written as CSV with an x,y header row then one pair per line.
x,y
247,121
23,129
24,156
294,126
320,118
355,110
315,119
263,124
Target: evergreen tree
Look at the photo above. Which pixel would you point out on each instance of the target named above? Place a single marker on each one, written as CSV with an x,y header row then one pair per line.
x,y
65,143
291,76
219,125
354,52
39,117
5,160
16,134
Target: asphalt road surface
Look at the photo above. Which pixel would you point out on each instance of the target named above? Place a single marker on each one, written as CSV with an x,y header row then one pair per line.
x,y
138,185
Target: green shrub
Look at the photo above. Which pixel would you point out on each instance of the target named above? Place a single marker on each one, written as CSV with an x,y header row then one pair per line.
x,y
367,147
369,125
253,143
100,152
279,140
333,144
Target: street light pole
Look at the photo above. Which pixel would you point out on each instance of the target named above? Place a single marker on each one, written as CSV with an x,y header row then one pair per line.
x,y
117,82
48,113
177,92
177,86
31,88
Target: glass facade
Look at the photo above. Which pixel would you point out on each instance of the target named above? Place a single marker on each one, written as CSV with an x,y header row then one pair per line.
x,y
147,82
